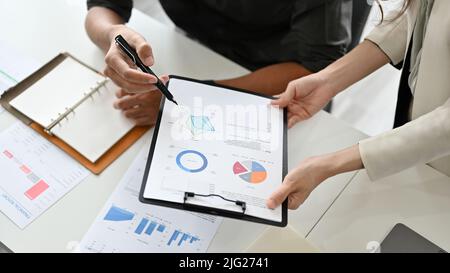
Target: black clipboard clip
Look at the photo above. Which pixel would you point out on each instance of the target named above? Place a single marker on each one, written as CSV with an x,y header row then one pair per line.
x,y
241,204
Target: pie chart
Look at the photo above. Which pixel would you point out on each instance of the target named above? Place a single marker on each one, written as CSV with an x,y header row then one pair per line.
x,y
250,171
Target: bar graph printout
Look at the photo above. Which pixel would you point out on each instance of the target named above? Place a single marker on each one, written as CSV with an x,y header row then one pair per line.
x,y
35,174
127,225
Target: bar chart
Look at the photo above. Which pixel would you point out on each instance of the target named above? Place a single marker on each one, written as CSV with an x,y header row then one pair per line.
x,y
34,174
148,229
184,238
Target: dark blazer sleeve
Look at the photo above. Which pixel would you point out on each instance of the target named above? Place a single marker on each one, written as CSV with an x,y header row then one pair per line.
x,y
121,7
320,32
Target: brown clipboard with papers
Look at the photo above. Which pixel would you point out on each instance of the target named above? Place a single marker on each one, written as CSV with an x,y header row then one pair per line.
x,y
84,108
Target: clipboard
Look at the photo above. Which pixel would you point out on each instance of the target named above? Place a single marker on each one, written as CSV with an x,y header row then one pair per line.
x,y
240,215
95,167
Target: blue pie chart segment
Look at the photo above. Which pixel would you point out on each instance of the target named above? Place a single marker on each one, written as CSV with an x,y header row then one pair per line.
x,y
191,161
256,167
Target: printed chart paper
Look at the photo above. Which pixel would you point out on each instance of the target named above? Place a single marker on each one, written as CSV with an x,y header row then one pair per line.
x,y
221,142
35,174
127,225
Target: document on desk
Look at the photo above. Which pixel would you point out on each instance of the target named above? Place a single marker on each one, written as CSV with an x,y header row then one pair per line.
x,y
126,225
220,151
35,174
14,67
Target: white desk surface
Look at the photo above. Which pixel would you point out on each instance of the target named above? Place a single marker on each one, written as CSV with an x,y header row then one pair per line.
x,y
366,211
45,28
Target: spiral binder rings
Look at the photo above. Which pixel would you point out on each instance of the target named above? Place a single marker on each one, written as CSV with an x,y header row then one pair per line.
x,y
70,104
71,110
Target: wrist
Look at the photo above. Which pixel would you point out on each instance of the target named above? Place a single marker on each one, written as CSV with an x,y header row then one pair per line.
x,y
334,77
328,82
343,161
329,166
113,31
321,167
332,164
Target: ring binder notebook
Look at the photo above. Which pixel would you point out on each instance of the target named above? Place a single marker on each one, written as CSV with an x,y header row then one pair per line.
x,y
70,104
70,110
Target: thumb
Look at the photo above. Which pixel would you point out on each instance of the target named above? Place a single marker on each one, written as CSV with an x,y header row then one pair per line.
x,y
293,120
278,196
284,98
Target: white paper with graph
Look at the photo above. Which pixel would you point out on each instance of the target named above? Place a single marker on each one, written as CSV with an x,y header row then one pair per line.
x,y
34,174
218,143
126,225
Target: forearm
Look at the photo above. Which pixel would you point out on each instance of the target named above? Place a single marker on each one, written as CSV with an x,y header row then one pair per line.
x,y
356,65
419,141
342,161
302,180
99,25
270,80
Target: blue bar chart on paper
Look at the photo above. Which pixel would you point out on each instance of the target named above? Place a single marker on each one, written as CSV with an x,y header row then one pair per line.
x,y
180,238
118,214
148,228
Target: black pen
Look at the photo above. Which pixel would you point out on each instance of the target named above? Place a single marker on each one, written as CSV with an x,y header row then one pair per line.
x,y
131,52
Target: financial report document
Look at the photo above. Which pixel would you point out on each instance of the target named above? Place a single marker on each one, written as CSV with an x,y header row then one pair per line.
x,y
217,142
35,174
126,225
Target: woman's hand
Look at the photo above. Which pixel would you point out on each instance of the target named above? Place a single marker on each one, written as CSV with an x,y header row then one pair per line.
x,y
305,97
301,181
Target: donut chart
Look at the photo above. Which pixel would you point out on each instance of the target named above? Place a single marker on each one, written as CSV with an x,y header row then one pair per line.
x,y
250,171
191,161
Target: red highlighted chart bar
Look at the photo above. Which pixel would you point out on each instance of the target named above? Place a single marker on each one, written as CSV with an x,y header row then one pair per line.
x,y
25,169
7,153
36,190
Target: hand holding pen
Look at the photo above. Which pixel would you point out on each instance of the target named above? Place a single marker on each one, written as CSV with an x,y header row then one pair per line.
x,y
134,98
132,54
121,69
